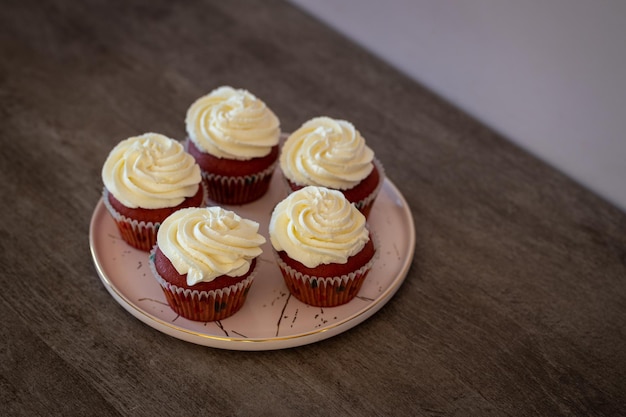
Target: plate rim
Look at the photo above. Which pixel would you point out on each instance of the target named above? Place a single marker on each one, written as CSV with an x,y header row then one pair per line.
x,y
268,343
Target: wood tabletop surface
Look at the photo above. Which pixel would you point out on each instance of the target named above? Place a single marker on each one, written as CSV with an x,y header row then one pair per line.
x,y
514,303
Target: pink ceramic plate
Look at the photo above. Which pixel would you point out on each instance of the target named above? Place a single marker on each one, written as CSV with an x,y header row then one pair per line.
x,y
270,318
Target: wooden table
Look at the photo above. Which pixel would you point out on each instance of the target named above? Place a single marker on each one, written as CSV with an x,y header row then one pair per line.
x,y
514,305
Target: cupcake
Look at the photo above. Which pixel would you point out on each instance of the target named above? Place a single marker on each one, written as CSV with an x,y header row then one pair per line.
x,y
146,178
205,261
322,246
331,153
234,138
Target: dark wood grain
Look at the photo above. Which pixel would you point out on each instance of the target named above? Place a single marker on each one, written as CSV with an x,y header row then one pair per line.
x,y
515,304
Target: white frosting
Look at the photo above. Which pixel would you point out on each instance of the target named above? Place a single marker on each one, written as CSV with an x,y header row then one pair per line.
x,y
205,243
316,225
232,124
150,171
326,152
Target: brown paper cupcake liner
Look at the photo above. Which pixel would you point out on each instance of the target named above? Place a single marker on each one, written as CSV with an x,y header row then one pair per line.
x,y
324,291
234,190
141,235
203,305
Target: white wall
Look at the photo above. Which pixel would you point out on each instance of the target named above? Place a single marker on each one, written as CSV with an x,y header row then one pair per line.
x,y
549,75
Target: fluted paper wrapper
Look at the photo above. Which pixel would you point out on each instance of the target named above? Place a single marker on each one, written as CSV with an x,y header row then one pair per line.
x,y
204,305
138,234
365,205
141,235
323,291
233,190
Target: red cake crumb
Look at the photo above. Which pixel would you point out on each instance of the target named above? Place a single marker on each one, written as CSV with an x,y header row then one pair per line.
x,y
231,167
357,193
155,215
333,270
168,272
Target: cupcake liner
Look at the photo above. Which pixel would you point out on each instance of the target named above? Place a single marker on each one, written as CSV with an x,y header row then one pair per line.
x,y
324,291
365,205
233,190
139,234
203,305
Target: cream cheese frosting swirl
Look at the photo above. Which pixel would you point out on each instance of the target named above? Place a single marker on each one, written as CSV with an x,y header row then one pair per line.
x,y
233,124
150,171
316,225
326,152
205,243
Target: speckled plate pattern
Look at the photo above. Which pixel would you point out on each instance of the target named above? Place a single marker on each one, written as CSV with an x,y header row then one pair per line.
x,y
271,318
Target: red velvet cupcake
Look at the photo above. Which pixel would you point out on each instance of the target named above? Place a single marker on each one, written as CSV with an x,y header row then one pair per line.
x,y
234,138
205,262
332,153
147,178
322,245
